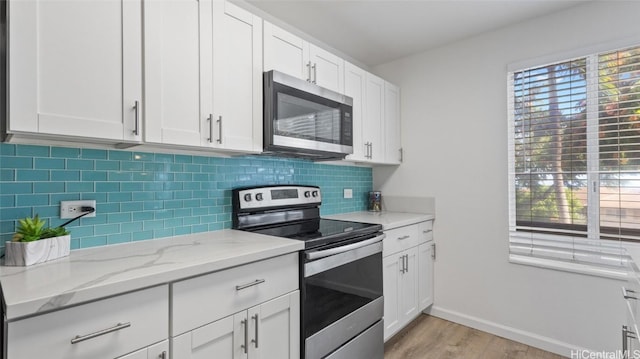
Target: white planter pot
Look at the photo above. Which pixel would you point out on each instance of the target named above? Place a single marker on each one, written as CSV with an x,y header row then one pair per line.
x,y
28,253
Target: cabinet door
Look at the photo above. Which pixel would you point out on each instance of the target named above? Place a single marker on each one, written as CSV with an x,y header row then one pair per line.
x,y
157,351
237,79
76,68
391,271
373,114
409,287
393,146
274,328
285,52
354,85
425,275
172,30
327,69
223,339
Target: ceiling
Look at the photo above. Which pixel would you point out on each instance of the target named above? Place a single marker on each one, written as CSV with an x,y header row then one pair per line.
x,y
378,31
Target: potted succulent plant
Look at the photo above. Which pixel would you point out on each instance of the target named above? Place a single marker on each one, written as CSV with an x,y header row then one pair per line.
x,y
34,242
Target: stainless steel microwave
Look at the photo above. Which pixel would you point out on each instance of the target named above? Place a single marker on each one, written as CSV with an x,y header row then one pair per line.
x,y
302,119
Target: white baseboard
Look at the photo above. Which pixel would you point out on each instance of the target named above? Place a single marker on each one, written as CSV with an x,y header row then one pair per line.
x,y
521,336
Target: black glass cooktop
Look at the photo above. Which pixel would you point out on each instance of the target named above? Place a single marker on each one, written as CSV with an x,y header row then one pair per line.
x,y
319,232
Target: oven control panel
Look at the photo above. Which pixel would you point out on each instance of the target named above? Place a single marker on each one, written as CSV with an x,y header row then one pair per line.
x,y
276,196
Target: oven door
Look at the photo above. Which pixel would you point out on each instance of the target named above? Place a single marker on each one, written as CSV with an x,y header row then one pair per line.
x,y
341,295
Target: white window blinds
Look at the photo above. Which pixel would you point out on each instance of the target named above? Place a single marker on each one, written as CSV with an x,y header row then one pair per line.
x,y
574,158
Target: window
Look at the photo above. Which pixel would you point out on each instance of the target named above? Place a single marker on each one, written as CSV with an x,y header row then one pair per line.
x,y
574,159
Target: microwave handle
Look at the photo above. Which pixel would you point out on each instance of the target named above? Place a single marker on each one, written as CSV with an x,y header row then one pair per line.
x,y
342,249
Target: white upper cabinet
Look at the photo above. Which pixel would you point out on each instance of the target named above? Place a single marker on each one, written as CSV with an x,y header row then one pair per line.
x,y
233,104
172,31
354,85
203,75
327,69
75,68
292,55
376,117
393,146
372,129
285,52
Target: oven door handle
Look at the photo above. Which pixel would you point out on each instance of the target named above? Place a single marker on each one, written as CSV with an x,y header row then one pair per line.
x,y
349,247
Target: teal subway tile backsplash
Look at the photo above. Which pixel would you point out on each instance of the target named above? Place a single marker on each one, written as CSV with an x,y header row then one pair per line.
x,y
142,195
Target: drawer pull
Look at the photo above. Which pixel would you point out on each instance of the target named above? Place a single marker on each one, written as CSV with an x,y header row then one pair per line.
x,y
81,338
245,286
404,237
427,231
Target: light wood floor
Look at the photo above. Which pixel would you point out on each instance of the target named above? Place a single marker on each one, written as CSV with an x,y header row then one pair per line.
x,y
429,337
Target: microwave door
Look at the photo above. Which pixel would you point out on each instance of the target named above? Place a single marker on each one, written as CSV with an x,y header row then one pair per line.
x,y
305,121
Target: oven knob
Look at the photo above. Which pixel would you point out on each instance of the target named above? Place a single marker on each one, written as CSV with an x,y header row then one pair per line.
x,y
247,197
315,193
258,196
307,194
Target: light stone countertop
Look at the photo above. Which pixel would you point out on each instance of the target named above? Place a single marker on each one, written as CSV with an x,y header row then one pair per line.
x,y
388,220
99,272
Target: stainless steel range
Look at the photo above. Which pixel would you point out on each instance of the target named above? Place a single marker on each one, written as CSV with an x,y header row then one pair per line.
x,y
340,269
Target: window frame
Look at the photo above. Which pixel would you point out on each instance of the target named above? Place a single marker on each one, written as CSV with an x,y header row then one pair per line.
x,y
611,252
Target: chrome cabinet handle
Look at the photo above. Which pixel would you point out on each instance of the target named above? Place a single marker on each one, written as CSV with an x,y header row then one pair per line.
x,y
624,339
427,231
163,355
371,150
433,251
315,74
625,294
255,341
404,237
245,286
245,346
407,257
81,338
136,111
309,71
402,264
626,334
210,119
220,129
401,154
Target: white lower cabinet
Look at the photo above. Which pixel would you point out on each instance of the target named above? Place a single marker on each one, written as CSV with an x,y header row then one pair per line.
x,y
425,275
269,330
407,275
156,351
108,328
250,311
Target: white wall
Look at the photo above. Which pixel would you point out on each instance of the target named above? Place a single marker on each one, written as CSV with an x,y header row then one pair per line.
x,y
454,114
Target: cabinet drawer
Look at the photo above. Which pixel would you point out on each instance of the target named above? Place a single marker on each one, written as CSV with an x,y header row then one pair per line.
x,y
50,335
210,297
399,239
425,231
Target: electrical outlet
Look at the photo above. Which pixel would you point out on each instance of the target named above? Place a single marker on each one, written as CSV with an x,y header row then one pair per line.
x,y
348,193
72,209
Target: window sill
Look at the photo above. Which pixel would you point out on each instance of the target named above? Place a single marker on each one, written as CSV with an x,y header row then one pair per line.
x,y
612,273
